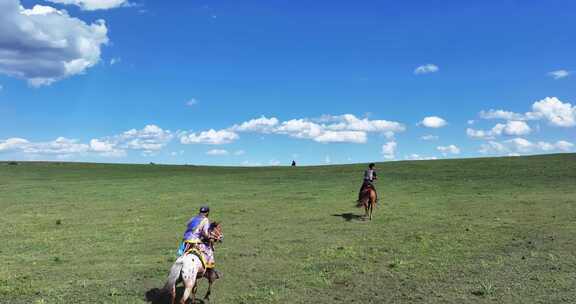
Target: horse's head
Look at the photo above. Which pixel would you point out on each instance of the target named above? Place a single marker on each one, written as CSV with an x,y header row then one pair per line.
x,y
216,234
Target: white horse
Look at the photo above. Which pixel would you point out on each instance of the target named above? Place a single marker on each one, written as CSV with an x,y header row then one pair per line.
x,y
188,268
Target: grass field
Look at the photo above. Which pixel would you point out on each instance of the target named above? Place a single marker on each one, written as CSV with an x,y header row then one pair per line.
x,y
497,230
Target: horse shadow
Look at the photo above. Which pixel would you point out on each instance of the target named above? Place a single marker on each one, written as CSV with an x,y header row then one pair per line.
x,y
159,296
350,216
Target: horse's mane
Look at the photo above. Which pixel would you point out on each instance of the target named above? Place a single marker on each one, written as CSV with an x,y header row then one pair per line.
x,y
213,225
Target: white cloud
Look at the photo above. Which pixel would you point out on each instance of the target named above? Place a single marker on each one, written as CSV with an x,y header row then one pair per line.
x,y
217,152
150,138
429,137
273,162
479,134
563,145
192,102
557,113
327,159
389,150
43,45
419,157
261,125
210,137
559,74
92,5
239,152
248,163
350,122
433,122
471,122
492,147
513,128
426,69
451,149
521,145
302,128
328,129
341,136
114,61
517,128
13,144
105,148
60,146
1,88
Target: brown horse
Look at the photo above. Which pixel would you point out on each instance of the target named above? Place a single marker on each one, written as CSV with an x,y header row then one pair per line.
x,y
368,200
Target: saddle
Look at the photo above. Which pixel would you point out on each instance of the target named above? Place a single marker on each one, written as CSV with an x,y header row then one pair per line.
x,y
199,254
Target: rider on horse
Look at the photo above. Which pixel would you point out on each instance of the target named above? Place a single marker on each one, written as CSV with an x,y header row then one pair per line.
x,y
369,178
195,238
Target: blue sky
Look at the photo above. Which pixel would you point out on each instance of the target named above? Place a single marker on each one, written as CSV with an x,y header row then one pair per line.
x,y
315,81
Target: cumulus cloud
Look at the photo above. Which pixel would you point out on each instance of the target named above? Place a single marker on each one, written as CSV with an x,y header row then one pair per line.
x,y
14,143
426,69
191,102
350,122
520,145
105,148
512,128
419,157
429,137
217,152
556,112
262,125
433,122
148,140
328,129
60,146
210,137
43,45
505,115
517,128
389,150
451,149
92,5
559,74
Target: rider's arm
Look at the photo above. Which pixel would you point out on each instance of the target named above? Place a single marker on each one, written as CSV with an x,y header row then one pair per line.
x,y
204,229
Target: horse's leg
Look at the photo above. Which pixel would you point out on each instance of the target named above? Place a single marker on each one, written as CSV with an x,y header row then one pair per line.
x,y
173,294
189,273
372,203
188,285
194,289
211,277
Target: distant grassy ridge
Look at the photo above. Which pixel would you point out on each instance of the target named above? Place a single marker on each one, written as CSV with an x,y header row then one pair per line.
x,y
447,231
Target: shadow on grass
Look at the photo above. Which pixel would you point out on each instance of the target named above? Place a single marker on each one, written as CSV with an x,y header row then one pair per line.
x,y
350,216
159,296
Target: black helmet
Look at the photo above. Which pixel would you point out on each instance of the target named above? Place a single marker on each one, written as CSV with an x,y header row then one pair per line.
x,y
371,165
204,209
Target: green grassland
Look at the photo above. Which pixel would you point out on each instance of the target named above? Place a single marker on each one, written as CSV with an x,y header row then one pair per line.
x,y
495,230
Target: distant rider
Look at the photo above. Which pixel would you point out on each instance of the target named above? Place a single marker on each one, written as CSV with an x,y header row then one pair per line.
x,y
369,178
195,236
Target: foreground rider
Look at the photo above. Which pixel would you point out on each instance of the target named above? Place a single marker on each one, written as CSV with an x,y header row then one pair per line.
x,y
369,178
195,236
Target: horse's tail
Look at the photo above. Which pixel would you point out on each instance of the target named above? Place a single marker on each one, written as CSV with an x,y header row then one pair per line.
x,y
364,197
174,274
